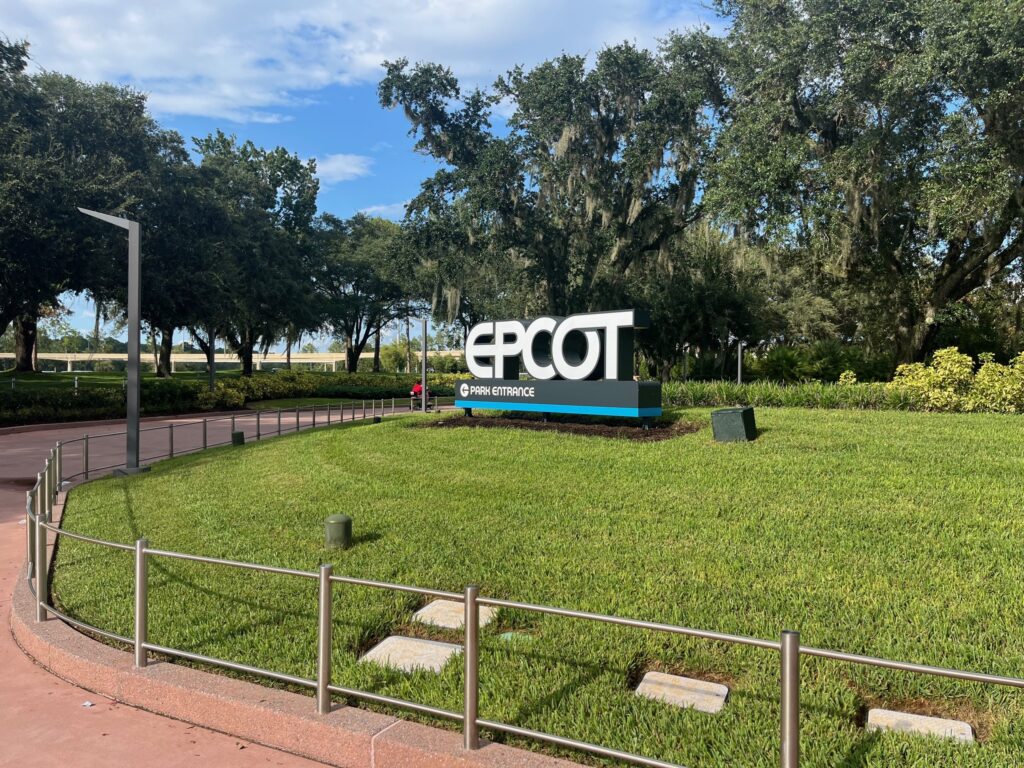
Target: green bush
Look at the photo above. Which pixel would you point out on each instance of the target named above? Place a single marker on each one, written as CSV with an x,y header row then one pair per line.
x,y
950,383
28,405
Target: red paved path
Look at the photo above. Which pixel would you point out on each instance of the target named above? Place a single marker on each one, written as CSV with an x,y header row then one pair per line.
x,y
44,722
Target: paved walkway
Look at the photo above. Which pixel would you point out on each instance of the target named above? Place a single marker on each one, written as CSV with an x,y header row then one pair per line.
x,y
46,721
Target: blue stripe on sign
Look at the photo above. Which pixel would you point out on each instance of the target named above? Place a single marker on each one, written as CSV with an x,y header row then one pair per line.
x,y
592,410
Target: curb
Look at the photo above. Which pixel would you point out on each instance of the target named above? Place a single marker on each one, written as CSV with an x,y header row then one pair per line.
x,y
348,737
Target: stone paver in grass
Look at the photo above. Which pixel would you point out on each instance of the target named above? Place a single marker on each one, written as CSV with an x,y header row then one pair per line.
x,y
684,691
411,653
904,722
450,614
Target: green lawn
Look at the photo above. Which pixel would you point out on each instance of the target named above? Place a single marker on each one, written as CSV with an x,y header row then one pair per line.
x,y
890,534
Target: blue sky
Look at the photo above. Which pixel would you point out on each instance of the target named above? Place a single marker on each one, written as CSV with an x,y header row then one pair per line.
x,y
303,74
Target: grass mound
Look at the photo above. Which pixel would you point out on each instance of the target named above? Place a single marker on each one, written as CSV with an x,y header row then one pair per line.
x,y
890,534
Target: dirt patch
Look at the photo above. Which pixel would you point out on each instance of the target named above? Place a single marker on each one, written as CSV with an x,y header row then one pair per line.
x,y
613,428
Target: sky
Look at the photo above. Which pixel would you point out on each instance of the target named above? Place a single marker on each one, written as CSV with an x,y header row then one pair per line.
x,y
303,75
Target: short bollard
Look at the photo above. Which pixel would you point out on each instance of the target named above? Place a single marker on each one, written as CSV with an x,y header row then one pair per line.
x,y
338,532
238,438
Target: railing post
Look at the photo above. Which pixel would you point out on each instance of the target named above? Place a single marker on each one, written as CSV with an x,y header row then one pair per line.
x,y
204,433
48,475
790,700
85,455
328,414
323,642
314,415
278,422
364,410
296,418
170,440
41,570
232,423
471,693
392,406
258,425
30,531
60,467
141,602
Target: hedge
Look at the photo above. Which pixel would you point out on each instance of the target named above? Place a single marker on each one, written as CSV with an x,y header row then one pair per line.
x,y
27,405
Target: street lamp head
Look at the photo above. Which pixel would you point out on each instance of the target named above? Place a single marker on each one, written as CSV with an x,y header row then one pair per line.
x,y
115,220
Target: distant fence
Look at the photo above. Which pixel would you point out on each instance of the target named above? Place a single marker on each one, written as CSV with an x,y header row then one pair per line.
x,y
39,507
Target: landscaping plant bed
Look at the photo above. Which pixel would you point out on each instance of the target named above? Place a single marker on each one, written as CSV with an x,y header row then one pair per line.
x,y
621,429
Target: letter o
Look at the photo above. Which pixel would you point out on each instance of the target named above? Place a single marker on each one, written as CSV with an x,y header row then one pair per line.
x,y
593,356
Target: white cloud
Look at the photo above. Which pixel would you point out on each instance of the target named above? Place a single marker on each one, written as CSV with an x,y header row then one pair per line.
x,y
331,169
247,60
393,211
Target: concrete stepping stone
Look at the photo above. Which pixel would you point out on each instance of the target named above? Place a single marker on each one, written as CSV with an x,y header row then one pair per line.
x,y
904,722
684,691
450,614
411,653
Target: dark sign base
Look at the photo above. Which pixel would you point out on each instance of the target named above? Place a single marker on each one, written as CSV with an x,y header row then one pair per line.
x,y
627,399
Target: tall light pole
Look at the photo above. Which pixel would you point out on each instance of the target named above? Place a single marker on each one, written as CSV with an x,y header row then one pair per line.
x,y
424,382
131,459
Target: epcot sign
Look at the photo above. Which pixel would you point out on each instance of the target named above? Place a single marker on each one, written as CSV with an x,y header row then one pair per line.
x,y
580,364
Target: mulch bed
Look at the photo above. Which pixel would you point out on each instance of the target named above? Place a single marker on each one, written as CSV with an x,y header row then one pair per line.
x,y
617,429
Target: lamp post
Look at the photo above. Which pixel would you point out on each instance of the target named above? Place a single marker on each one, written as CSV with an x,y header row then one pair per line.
x,y
424,382
131,459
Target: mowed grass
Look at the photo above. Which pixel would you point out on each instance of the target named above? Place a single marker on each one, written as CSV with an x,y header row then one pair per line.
x,y
891,534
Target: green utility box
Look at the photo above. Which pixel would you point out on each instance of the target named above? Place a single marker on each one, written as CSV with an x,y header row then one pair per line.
x,y
238,438
733,424
338,532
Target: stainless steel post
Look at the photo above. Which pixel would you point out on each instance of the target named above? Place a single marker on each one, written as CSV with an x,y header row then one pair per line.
x,y
60,467
170,440
278,422
85,455
141,602
41,570
323,642
204,433
471,693
364,409
314,414
423,399
296,418
30,531
790,700
392,406
739,364
258,425
328,414
232,423
134,391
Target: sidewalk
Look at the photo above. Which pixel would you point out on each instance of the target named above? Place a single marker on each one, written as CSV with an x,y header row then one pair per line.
x,y
46,722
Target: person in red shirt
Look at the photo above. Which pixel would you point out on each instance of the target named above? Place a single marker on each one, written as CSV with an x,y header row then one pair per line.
x,y
417,391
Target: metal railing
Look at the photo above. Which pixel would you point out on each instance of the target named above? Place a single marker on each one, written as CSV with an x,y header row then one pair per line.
x,y
40,502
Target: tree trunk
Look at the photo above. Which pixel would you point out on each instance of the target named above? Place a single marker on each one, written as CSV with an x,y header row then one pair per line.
x,y
25,343
163,363
376,350
247,342
288,355
913,333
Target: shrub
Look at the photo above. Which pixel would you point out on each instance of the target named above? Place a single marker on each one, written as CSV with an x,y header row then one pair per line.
x,y
950,383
